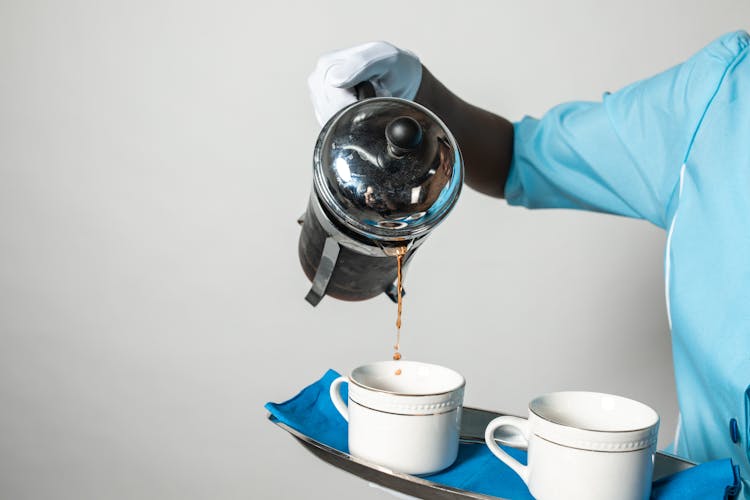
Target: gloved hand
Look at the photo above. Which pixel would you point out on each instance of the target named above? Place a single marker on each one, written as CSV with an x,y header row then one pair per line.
x,y
392,71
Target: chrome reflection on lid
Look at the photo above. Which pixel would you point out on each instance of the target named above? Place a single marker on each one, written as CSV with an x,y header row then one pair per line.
x,y
387,168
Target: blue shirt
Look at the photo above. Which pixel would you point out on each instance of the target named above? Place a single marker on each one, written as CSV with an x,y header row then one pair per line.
x,y
673,149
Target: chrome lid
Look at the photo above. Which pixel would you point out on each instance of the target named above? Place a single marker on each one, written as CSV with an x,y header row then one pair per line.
x,y
387,168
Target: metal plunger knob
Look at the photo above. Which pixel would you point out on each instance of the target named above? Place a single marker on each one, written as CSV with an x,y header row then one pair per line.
x,y
403,135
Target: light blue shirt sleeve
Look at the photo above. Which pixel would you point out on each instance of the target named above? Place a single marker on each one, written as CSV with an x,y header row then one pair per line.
x,y
621,155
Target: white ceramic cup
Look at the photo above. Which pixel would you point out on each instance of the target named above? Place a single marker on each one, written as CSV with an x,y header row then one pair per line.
x,y
409,422
583,445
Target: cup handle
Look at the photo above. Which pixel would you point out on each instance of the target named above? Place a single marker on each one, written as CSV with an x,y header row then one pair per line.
x,y
336,398
489,437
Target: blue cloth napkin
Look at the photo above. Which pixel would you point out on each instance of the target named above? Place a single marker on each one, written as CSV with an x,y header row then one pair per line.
x,y
476,468
719,479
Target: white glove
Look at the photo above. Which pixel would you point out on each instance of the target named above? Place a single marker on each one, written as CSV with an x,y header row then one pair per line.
x,y
392,71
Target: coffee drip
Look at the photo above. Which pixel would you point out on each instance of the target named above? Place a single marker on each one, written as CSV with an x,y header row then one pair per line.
x,y
400,301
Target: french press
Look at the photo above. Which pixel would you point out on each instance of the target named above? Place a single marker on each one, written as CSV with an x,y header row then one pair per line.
x,y
386,171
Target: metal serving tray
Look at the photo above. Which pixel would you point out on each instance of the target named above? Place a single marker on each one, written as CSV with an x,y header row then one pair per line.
x,y
473,423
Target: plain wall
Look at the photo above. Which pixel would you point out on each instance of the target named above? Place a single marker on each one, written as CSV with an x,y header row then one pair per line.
x,y
154,157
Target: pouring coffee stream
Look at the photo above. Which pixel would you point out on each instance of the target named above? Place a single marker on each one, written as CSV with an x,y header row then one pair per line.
x,y
403,135
400,289
386,172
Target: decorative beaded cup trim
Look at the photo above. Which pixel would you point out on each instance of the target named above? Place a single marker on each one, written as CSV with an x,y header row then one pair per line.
x,y
406,404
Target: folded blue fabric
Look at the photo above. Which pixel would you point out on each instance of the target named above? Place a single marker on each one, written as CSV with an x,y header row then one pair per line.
x,y
476,468
719,480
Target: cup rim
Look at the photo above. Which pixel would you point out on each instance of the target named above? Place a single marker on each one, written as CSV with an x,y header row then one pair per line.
x,y
653,412
407,362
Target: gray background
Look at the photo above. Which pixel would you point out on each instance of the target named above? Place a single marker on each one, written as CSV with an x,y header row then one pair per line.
x,y
154,156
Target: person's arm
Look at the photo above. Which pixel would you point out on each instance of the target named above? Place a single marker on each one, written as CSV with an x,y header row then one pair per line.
x,y
621,155
485,139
